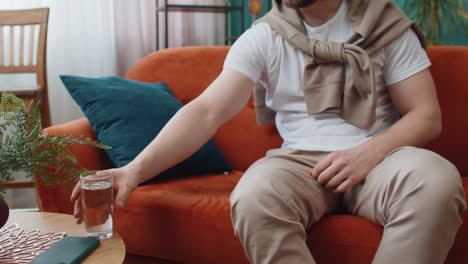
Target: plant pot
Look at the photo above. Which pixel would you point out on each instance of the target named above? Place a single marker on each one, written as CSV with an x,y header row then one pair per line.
x,y
4,212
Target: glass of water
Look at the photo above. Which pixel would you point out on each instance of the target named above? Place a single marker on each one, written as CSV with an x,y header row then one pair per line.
x,y
97,198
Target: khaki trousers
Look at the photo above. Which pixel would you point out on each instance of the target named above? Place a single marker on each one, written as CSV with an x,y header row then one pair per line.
x,y
415,194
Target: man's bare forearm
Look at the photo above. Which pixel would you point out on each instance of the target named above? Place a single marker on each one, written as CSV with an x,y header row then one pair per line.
x,y
417,128
194,124
183,135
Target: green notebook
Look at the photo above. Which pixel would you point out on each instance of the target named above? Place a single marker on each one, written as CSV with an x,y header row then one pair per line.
x,y
69,250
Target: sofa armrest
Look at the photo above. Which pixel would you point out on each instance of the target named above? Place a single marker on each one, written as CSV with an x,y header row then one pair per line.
x,y
57,199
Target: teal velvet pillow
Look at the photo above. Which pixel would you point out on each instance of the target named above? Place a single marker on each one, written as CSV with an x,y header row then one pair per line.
x,y
127,115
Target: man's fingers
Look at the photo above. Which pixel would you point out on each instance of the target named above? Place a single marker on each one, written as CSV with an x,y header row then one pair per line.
x,y
329,173
321,166
104,173
78,211
122,194
77,207
337,179
79,220
344,186
75,193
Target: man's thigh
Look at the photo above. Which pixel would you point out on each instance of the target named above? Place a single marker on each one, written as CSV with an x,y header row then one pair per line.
x,y
282,176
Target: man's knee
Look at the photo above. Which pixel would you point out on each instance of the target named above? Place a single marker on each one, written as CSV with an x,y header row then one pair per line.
x,y
255,205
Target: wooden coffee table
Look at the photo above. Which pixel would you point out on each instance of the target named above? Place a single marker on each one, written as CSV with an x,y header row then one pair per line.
x,y
109,251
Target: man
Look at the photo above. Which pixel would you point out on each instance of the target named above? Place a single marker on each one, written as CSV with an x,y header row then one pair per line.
x,y
353,152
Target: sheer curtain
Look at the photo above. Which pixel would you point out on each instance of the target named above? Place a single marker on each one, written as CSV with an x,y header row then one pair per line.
x,y
106,37
135,31
81,41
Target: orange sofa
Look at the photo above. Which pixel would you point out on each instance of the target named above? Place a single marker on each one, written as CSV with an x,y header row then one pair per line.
x,y
187,220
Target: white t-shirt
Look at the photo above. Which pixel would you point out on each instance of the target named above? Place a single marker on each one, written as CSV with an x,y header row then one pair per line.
x,y
261,54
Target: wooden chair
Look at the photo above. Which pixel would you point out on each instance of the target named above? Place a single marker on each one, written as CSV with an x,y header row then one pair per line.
x,y
30,57
31,54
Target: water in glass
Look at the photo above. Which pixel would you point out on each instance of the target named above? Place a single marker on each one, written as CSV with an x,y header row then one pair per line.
x,y
96,196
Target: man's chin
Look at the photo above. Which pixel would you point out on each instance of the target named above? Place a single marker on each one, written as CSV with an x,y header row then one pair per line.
x,y
299,3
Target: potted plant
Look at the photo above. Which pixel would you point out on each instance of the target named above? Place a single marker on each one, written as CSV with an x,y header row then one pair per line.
x,y
26,148
437,16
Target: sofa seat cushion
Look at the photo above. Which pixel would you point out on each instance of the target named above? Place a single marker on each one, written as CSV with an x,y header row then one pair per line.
x,y
185,219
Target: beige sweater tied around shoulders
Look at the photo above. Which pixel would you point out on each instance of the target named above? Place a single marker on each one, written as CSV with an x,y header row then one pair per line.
x,y
376,23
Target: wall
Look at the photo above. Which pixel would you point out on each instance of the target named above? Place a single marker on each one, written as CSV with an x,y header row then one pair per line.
x,y
234,17
450,36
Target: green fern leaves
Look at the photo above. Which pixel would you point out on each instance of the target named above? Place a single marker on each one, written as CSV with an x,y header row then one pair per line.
x,y
23,147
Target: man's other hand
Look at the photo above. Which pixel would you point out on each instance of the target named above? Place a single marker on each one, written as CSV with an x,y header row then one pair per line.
x,y
342,169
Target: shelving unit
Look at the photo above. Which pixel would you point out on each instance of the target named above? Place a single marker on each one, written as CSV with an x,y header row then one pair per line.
x,y
166,8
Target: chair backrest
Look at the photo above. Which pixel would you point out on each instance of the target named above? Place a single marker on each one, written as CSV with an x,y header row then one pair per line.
x,y
23,39
189,70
